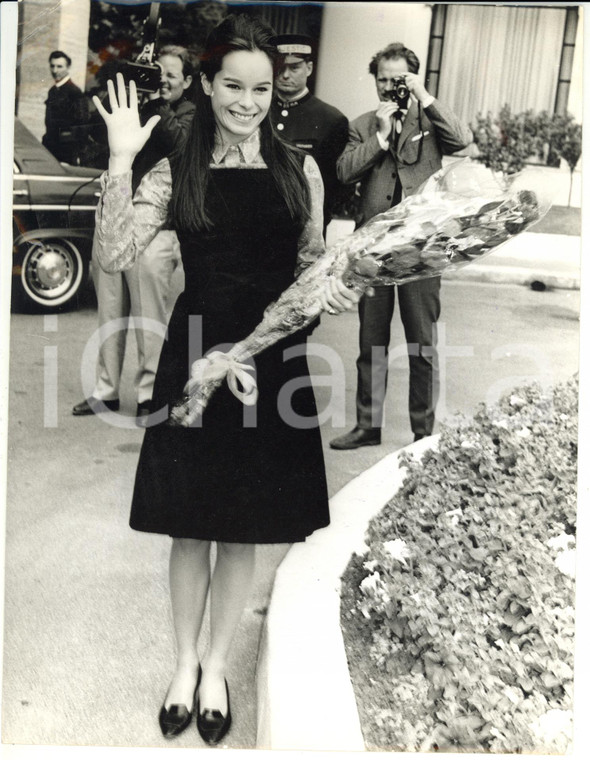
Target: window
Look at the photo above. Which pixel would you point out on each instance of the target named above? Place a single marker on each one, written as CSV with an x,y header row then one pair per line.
x,y
482,57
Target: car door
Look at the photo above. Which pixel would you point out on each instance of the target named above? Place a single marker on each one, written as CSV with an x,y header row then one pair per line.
x,y
48,194
53,225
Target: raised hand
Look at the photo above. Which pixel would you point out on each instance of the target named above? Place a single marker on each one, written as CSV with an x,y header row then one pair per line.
x,y
416,86
385,111
126,135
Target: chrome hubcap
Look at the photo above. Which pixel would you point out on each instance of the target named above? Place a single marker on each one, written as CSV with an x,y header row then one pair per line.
x,y
51,269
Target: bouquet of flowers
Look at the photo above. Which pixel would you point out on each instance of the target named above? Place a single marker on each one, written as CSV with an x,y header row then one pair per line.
x,y
461,214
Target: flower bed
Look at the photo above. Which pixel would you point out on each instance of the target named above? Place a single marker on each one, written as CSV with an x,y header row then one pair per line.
x,y
459,619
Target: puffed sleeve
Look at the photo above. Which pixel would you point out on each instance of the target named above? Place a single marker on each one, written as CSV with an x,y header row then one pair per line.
x,y
126,224
311,240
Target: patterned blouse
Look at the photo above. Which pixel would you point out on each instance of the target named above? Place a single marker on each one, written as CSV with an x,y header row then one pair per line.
x,y
126,224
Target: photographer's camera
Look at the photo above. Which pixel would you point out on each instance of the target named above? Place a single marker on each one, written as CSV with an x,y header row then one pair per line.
x,y
144,71
147,76
399,92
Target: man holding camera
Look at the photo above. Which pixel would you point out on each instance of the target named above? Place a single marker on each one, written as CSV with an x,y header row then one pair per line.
x,y
391,151
143,291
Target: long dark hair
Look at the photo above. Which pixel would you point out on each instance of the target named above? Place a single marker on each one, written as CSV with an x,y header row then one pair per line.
x,y
191,169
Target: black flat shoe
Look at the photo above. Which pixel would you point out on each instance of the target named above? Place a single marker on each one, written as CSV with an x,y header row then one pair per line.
x,y
212,724
356,438
93,405
176,718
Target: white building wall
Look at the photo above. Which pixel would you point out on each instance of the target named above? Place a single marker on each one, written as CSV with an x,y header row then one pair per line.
x,y
351,34
49,25
73,36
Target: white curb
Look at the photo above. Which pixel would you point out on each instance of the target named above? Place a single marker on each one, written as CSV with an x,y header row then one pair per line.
x,y
554,260
549,258
305,697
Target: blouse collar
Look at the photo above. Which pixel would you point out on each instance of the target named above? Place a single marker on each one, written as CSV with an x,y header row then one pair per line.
x,y
249,149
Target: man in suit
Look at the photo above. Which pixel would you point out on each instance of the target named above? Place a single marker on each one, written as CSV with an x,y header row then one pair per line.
x,y
143,291
304,120
391,151
66,107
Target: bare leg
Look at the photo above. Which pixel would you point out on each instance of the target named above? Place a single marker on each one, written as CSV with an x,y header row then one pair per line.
x,y
189,583
230,589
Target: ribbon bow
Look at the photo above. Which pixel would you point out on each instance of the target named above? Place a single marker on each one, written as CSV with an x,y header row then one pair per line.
x,y
219,365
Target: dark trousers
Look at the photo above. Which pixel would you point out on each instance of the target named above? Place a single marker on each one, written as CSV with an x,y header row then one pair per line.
x,y
419,304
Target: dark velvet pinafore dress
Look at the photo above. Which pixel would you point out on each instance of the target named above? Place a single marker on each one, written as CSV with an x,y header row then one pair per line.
x,y
245,474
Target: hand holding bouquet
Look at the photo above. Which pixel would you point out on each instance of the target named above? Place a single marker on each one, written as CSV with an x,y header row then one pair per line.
x,y
460,215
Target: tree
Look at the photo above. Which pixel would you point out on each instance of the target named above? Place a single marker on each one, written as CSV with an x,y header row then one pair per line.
x,y
506,141
116,31
566,138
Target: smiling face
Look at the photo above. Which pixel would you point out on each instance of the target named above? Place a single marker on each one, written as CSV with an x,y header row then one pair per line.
x,y
172,81
58,68
240,94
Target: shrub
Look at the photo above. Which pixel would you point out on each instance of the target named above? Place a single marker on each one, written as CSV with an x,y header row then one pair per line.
x,y
465,594
507,141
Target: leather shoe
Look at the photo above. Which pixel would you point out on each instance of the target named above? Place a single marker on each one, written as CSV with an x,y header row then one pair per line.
x,y
356,438
419,436
94,406
176,718
143,413
212,724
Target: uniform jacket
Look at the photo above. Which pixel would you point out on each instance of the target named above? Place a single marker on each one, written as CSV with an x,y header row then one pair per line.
x,y
418,156
320,130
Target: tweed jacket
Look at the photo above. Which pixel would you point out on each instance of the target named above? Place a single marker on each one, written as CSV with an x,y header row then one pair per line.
x,y
418,156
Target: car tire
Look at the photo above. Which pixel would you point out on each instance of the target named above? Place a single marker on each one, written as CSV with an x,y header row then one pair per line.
x,y
52,274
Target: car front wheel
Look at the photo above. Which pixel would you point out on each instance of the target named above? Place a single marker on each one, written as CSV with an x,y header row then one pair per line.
x,y
52,272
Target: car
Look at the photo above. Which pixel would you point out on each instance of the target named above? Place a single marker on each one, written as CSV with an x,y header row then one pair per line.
x,y
53,225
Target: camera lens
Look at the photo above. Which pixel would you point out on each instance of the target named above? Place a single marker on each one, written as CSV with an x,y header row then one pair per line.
x,y
402,90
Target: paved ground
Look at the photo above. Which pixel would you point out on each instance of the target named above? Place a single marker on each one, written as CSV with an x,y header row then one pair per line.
x,y
88,646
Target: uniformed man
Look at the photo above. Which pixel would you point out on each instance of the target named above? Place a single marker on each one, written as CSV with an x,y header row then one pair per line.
x,y
304,120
